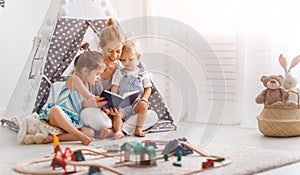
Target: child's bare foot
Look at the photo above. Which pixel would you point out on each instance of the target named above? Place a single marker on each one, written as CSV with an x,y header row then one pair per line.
x,y
106,132
88,131
119,135
86,140
48,139
138,132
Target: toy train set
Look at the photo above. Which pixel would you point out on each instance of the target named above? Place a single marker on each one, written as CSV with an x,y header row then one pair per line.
x,y
152,156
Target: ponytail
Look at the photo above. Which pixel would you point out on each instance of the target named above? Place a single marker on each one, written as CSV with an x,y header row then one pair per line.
x,y
90,59
111,32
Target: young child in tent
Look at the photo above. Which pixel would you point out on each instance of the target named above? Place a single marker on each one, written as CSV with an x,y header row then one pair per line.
x,y
65,112
130,78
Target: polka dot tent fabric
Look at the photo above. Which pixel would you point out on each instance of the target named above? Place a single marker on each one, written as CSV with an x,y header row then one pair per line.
x,y
157,104
65,43
11,123
2,3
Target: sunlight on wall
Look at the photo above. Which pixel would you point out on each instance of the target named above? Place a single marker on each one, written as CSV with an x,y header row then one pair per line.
x,y
218,15
277,18
260,30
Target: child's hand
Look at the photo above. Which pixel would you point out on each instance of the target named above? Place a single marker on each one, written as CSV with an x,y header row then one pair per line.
x,y
100,101
144,100
114,111
106,110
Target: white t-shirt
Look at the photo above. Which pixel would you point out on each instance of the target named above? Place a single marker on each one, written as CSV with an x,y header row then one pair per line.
x,y
146,79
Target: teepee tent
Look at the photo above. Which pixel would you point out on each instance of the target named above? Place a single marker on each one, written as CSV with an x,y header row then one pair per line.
x,y
66,25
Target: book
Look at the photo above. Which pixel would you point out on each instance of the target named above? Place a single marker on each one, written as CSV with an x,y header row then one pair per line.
x,y
116,100
161,126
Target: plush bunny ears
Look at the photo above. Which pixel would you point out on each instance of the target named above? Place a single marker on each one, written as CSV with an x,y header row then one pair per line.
x,y
283,62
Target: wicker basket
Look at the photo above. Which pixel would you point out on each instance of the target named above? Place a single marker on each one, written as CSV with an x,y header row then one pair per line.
x,y
280,121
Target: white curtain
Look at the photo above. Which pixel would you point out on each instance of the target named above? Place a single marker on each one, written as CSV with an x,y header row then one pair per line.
x,y
264,32
246,36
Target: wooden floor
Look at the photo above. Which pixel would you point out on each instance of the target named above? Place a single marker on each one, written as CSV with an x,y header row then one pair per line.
x,y
11,152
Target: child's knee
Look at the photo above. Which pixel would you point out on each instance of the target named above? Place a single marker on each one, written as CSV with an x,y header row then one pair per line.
x,y
142,109
144,104
54,109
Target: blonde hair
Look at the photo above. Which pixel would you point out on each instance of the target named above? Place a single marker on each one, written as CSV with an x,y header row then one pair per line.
x,y
90,59
131,46
111,33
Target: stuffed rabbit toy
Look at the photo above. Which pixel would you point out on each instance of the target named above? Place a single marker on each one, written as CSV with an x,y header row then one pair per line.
x,y
290,82
31,131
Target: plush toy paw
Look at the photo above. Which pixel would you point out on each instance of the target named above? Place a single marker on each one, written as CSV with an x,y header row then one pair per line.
x,y
38,138
29,139
291,103
260,100
279,103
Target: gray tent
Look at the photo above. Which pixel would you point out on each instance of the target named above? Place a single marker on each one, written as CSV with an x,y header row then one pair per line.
x,y
54,48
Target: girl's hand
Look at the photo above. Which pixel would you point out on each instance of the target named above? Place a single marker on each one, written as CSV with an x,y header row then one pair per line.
x,y
100,101
114,111
106,110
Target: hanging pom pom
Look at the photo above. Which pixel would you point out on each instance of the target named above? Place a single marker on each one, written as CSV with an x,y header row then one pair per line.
x,y
63,12
103,3
45,34
107,12
64,2
49,22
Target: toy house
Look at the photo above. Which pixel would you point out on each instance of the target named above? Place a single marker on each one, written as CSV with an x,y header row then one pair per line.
x,y
137,153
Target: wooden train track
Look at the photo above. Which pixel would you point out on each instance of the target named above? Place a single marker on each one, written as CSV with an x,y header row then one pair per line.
x,y
23,167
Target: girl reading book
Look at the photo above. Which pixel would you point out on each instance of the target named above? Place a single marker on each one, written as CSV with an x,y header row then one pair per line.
x,y
65,112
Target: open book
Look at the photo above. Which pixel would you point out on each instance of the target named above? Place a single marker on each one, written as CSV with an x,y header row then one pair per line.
x,y
115,100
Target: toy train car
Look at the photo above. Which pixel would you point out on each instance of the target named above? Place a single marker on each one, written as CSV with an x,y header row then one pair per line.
x,y
208,164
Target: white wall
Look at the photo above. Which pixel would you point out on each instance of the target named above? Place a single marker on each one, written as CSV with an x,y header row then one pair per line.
x,y
20,21
257,39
